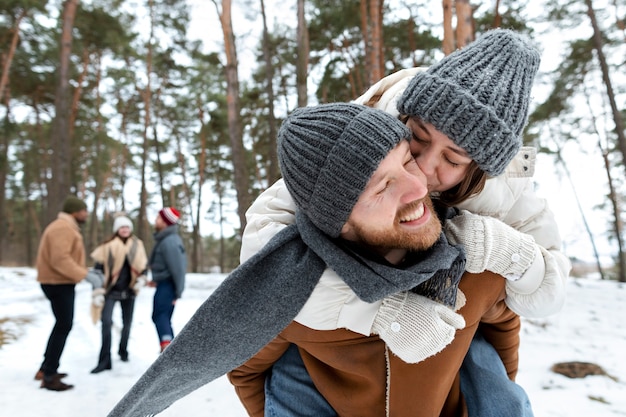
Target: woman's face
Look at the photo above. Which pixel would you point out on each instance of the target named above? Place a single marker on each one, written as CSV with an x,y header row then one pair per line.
x,y
443,162
124,231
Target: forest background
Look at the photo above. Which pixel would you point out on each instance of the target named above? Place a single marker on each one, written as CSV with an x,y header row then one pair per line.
x,y
119,103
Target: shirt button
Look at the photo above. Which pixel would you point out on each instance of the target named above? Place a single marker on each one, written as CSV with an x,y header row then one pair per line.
x,y
395,327
515,257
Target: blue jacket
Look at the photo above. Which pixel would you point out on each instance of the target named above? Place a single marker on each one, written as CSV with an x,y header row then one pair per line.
x,y
168,260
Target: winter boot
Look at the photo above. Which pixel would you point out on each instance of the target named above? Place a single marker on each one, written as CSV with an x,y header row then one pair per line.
x,y
53,383
123,355
102,366
39,375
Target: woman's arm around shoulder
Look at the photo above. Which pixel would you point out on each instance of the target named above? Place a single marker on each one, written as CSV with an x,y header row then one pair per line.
x,y
539,290
271,212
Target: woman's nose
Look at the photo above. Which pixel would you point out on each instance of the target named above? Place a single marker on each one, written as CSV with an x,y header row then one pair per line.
x,y
427,163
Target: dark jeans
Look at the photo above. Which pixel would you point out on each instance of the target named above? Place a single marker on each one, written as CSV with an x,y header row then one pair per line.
x,y
128,306
62,302
162,310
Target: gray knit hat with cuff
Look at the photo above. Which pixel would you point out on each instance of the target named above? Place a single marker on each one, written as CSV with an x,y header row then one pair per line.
x,y
327,154
478,96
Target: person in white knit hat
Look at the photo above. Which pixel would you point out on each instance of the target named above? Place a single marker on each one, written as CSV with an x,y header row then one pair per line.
x,y
123,261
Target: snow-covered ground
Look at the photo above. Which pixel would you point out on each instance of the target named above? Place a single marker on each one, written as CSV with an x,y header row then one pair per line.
x,y
591,328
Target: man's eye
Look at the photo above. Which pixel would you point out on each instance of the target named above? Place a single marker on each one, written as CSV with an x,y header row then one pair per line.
x,y
383,188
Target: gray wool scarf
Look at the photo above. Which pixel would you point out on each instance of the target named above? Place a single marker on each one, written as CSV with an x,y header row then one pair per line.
x,y
263,295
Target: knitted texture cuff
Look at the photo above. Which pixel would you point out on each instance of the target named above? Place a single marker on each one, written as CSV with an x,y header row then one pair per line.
x,y
139,283
415,327
491,245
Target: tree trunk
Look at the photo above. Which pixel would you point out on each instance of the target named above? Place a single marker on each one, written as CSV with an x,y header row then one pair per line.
x,y
410,30
220,206
186,189
196,240
448,45
618,225
619,129
302,63
377,43
60,141
4,79
272,162
100,173
497,17
4,168
371,30
367,38
159,163
234,120
464,26
617,116
142,221
4,146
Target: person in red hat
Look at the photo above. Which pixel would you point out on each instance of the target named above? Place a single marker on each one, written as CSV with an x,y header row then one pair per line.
x,y
168,265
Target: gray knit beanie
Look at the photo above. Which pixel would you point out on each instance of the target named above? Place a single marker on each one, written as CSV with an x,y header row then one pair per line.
x,y
327,154
478,96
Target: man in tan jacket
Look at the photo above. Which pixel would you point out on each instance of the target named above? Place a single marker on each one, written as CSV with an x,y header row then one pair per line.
x,y
60,266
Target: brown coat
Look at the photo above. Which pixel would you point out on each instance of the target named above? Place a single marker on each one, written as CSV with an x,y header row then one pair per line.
x,y
61,254
359,376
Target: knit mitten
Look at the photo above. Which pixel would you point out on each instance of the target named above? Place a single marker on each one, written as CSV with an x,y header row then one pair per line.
x,y
139,283
415,327
95,277
97,297
491,245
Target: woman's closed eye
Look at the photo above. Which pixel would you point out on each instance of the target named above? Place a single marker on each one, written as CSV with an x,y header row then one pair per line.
x,y
420,145
419,140
451,162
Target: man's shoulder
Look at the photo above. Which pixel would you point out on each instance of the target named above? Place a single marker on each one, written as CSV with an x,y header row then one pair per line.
x,y
172,235
60,225
172,239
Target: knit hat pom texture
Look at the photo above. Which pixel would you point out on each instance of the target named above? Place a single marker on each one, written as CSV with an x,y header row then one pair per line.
x,y
327,154
478,96
121,221
169,215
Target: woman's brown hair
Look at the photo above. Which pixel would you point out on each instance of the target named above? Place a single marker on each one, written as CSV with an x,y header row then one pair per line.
x,y
472,184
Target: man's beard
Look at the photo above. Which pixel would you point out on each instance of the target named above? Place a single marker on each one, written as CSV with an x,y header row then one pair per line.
x,y
399,238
